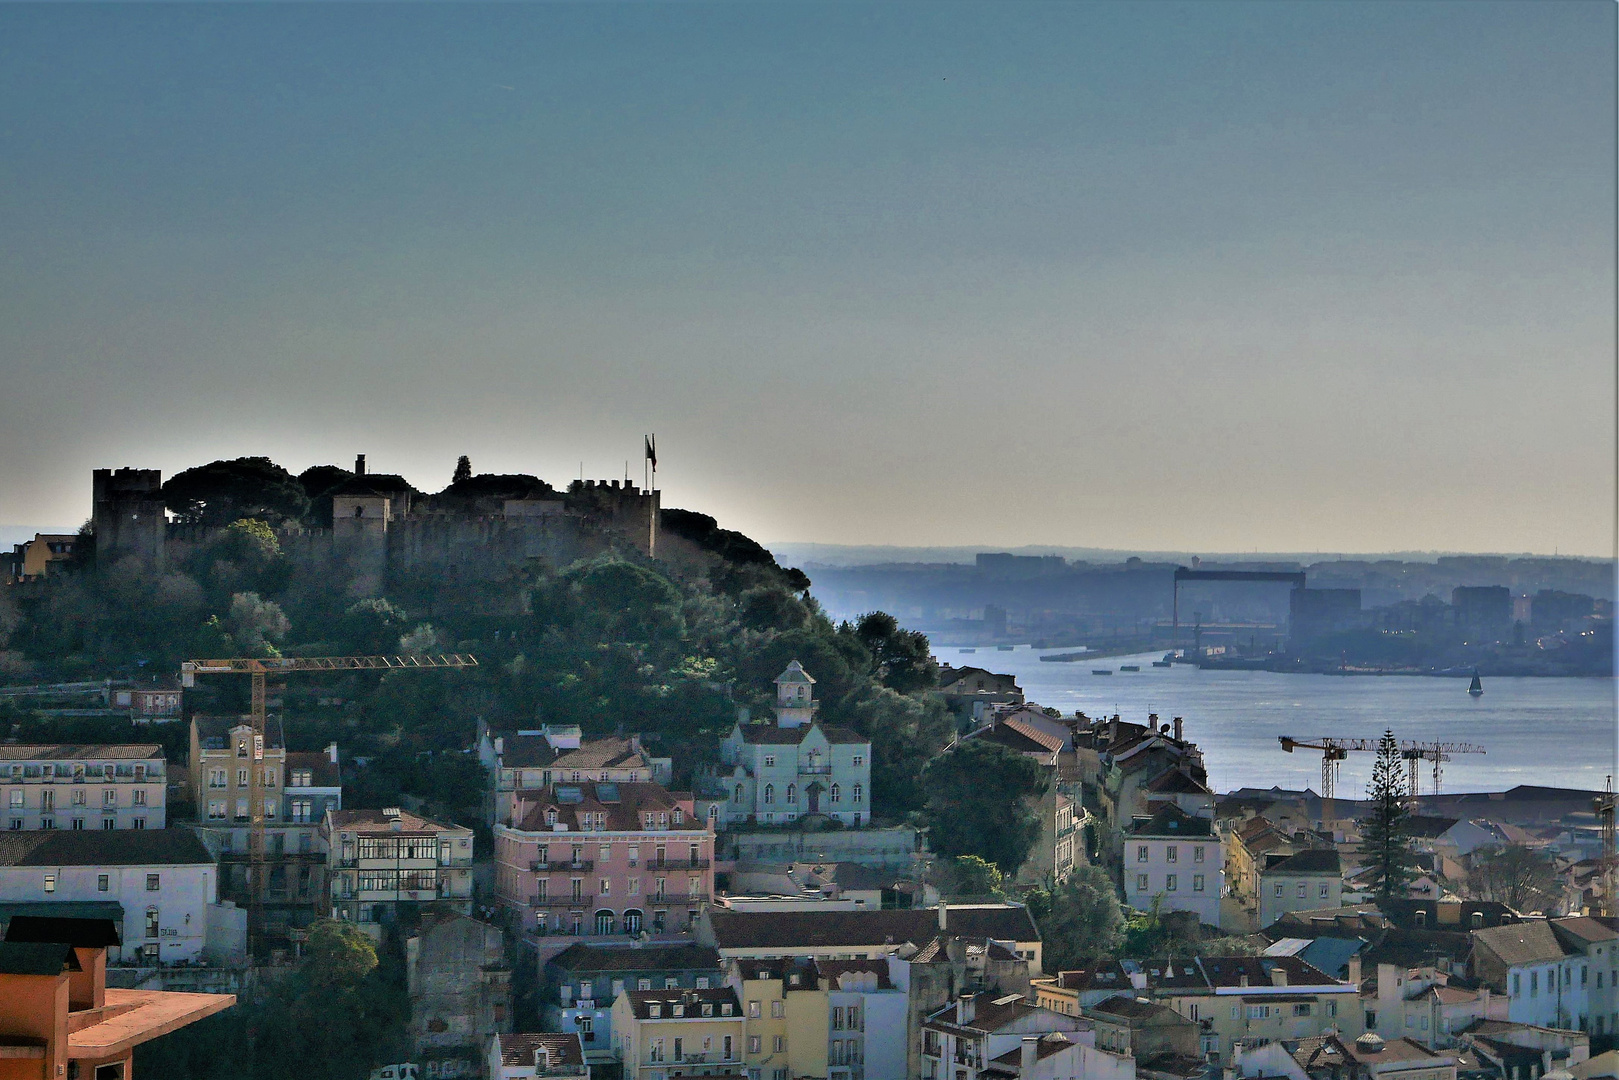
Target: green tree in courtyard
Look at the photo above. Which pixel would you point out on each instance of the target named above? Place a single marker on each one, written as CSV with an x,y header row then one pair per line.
x,y
980,799
223,491
1386,831
900,659
1083,921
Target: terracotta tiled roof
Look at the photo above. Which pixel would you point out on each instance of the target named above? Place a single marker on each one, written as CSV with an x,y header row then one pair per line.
x,y
81,752
789,931
1173,821
1520,943
601,754
375,821
561,1048
991,1013
97,847
690,1002
623,808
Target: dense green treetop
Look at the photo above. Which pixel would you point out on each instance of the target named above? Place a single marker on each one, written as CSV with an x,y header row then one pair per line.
x,y
980,799
223,491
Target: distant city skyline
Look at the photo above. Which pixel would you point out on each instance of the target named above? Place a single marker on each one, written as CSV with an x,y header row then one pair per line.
x,y
1173,277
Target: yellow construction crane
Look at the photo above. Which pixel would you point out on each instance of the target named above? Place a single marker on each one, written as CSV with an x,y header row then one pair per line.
x,y
1335,750
259,667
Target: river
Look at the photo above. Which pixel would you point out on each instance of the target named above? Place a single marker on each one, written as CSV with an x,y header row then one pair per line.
x,y
1557,732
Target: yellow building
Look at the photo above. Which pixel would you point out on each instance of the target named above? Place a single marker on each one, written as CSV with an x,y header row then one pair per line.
x,y
763,991
662,1034
43,550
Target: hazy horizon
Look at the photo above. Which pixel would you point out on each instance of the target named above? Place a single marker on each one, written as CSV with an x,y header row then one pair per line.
x,y
1172,277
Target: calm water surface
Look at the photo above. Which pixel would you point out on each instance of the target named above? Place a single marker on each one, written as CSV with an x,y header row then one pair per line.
x,y
1559,732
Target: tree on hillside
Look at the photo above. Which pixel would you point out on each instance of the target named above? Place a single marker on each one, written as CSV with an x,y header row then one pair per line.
x,y
1523,878
906,732
975,877
1083,922
224,491
463,470
1386,831
900,659
979,802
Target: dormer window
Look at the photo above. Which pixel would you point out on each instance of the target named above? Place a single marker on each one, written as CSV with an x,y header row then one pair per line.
x,y
550,817
708,1008
241,748
654,1010
680,1010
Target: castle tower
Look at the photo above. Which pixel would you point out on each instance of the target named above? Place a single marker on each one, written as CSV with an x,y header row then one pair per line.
x,y
795,697
127,513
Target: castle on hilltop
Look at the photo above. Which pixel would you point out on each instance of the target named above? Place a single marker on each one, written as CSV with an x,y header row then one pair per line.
x,y
382,528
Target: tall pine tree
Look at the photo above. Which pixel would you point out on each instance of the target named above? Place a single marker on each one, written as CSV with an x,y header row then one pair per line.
x,y
1385,834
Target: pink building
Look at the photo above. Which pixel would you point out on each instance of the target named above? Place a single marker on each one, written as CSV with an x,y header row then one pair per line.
x,y
599,858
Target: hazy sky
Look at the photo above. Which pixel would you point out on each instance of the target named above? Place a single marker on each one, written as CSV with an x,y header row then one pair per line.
x,y
1211,276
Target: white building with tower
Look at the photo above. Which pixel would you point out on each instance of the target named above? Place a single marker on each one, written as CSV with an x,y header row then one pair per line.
x,y
774,774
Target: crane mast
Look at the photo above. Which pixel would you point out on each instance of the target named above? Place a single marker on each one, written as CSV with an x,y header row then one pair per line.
x,y
1335,750
259,668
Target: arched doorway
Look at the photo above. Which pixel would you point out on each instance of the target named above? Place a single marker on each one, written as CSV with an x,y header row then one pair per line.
x,y
813,792
632,921
604,922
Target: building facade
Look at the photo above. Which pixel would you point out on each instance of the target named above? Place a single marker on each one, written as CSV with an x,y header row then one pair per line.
x,y
225,755
81,787
1303,881
379,859
162,880
661,1034
460,992
583,981
599,859
536,1056
1174,861
797,768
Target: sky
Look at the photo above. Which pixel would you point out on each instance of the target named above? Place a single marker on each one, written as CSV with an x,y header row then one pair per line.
x,y
1209,276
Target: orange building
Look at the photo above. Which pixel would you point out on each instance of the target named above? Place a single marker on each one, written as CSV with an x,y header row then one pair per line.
x,y
58,1020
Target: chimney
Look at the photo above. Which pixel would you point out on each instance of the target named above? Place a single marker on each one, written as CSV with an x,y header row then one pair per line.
x,y
943,907
1354,970
1545,1062
1278,976
965,1009
1031,1053
1180,726
1242,980
359,464
331,752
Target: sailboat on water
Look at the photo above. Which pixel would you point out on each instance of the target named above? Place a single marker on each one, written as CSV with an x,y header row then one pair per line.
x,y
1476,688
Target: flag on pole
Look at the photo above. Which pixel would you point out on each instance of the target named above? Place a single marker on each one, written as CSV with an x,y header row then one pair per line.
x,y
652,450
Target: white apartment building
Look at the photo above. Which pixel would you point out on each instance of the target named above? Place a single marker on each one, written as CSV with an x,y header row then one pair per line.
x,y
76,787
778,774
1303,881
161,881
1556,973
1174,860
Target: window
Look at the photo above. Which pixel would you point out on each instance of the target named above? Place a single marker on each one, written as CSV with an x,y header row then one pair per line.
x,y
792,793
153,882
738,793
1303,890
779,1044
216,778
151,922
1517,984
1197,882
50,882
1172,853
102,883
241,777
836,795
1534,983
1143,853
81,797
109,824
643,984
1141,883
859,792
858,760
1301,1009
1278,891
770,761
1259,1012
1170,883
770,794
753,1009
778,1009
16,798
78,823
1197,853
1323,890
216,809
47,801
755,1043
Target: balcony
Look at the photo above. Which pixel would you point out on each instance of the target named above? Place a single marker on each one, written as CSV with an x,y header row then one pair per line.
x,y
581,901
815,770
680,864
674,898
539,866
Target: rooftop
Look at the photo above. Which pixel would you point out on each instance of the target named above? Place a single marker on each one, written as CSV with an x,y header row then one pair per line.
x,y
374,821
136,1016
1520,943
689,1004
673,957
790,931
95,847
1173,821
81,752
1315,861
555,1048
